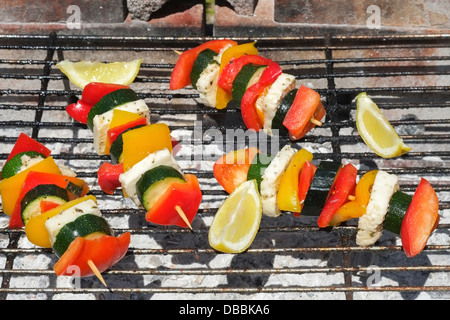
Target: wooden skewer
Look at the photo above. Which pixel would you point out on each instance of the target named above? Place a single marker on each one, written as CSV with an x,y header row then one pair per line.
x,y
177,52
183,216
316,122
96,272
351,198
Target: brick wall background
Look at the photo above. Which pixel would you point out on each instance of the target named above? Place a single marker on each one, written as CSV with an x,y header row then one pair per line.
x,y
228,17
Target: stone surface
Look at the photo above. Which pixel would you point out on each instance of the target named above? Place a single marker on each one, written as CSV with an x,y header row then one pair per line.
x,y
46,11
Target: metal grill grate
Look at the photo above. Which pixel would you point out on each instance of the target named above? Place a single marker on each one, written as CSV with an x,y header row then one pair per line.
x,y
409,77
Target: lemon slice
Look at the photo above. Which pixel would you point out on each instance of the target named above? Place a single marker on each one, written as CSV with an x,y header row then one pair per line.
x,y
375,129
237,221
83,72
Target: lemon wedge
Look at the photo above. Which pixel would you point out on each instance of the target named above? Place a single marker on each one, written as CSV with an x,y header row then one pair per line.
x,y
237,221
83,72
375,129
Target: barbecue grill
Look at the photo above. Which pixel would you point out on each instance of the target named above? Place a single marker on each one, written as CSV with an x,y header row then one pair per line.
x,y
291,258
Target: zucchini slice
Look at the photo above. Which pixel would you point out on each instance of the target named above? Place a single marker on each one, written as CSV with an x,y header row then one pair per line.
x,y
203,60
249,74
116,149
320,187
31,201
20,161
282,110
398,205
257,168
155,182
84,225
109,102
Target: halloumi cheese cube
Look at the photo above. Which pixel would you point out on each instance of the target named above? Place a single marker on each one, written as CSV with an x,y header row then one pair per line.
x,y
282,85
370,225
271,180
129,178
102,121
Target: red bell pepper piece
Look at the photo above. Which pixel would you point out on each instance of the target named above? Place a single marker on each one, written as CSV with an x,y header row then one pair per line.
x,y
343,186
304,181
187,195
108,176
181,74
48,205
104,252
306,106
421,218
25,143
232,69
251,95
92,93
34,179
232,168
116,131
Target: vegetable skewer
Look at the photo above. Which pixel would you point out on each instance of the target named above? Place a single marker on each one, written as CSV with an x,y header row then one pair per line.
x,y
141,153
288,182
52,205
222,70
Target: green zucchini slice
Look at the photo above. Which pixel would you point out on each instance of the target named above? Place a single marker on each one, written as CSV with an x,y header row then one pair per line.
x,y
398,205
257,168
14,165
82,226
203,60
31,202
320,187
249,74
154,182
283,108
109,102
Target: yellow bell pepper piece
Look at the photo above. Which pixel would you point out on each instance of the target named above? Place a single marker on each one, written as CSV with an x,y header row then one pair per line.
x,y
287,196
121,117
10,188
35,228
357,207
139,143
234,52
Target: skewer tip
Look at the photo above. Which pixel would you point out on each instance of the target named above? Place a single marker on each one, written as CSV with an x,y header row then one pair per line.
x,y
316,122
183,216
177,52
96,272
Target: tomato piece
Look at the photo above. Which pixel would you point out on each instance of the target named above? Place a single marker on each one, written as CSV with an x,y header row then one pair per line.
x,y
231,70
250,114
26,143
108,176
344,185
231,169
306,106
420,219
104,252
187,196
181,74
